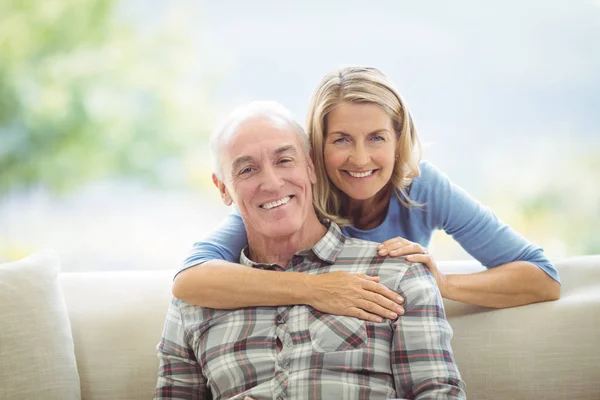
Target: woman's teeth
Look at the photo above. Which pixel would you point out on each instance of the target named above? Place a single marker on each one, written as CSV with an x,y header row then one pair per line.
x,y
276,203
360,174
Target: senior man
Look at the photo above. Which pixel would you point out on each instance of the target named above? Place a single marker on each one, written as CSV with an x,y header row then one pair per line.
x,y
295,351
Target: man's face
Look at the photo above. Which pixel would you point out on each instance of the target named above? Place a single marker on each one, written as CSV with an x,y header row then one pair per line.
x,y
268,177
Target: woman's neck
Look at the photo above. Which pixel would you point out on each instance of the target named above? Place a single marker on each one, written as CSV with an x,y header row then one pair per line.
x,y
370,213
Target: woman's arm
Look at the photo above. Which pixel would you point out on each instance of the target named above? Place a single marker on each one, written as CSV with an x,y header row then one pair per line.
x,y
518,272
513,284
211,278
224,285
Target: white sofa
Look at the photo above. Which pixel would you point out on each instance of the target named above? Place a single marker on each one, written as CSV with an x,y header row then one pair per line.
x,y
541,351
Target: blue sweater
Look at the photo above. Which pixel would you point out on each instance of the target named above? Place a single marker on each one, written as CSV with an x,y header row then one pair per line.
x,y
445,206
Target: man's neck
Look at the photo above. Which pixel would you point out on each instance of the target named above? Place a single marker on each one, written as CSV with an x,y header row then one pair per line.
x,y
280,250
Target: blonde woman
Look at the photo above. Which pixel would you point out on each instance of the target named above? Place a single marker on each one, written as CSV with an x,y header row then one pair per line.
x,y
371,181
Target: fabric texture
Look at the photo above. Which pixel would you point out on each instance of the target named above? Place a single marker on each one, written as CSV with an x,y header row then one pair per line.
x,y
545,351
548,351
37,358
445,206
297,352
116,319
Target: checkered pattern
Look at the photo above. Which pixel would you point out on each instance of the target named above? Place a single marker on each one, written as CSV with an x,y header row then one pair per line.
x,y
298,352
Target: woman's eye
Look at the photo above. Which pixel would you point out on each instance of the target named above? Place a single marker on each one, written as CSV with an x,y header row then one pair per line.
x,y
378,138
339,140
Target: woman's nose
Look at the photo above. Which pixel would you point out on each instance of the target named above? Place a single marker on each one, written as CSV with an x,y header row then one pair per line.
x,y
359,156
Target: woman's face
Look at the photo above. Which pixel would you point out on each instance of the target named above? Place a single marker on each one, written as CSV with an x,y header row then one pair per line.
x,y
360,146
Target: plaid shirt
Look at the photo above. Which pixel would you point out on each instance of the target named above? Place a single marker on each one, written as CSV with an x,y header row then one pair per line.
x,y
297,352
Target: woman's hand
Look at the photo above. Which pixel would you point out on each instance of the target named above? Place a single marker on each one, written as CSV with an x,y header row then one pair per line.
x,y
354,295
414,252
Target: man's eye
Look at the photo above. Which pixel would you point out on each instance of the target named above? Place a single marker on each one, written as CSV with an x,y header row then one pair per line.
x,y
285,161
245,171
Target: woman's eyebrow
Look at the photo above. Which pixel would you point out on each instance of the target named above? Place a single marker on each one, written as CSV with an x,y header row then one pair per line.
x,y
379,131
342,133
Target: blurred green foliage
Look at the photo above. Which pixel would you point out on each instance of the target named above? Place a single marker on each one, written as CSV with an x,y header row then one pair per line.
x,y
85,96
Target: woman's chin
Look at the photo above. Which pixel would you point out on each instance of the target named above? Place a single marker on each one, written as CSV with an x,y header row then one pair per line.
x,y
360,195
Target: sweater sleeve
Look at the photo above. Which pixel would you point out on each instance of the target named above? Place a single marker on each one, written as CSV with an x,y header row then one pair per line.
x,y
225,243
475,227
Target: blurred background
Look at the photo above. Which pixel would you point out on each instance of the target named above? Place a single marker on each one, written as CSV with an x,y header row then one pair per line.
x,y
106,107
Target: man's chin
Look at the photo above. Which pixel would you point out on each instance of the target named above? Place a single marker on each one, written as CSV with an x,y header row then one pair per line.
x,y
281,228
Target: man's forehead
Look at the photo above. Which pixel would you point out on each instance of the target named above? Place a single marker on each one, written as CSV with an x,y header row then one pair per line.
x,y
259,137
255,153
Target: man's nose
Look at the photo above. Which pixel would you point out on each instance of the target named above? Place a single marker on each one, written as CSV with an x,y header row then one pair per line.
x,y
271,179
359,156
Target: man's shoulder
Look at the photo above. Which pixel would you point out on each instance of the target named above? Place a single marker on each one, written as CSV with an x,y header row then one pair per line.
x,y
359,248
190,314
353,244
360,256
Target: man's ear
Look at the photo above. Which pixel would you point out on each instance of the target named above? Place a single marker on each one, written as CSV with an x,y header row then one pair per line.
x,y
223,190
311,171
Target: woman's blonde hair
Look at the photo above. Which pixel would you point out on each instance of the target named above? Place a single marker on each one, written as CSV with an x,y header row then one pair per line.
x,y
360,85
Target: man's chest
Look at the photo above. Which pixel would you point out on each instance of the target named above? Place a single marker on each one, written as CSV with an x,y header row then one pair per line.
x,y
279,346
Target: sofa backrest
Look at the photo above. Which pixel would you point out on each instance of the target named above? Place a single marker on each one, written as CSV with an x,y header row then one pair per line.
x,y
547,351
540,351
117,320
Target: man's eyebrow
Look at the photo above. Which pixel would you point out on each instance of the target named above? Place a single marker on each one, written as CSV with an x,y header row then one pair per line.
x,y
286,149
239,161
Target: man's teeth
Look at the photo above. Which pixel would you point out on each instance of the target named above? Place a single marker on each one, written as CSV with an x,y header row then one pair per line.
x,y
360,174
277,203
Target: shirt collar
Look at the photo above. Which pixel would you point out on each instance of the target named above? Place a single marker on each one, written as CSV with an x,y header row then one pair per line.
x,y
327,249
330,245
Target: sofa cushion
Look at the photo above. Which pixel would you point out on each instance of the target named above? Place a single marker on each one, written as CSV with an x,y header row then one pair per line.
x,y
117,319
37,359
540,351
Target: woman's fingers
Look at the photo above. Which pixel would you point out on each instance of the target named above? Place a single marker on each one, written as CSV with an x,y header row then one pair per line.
x,y
412,248
341,293
429,262
423,259
391,244
362,314
399,247
381,301
374,306
369,278
384,292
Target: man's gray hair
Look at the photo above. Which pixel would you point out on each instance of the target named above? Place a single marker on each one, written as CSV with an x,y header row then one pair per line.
x,y
270,110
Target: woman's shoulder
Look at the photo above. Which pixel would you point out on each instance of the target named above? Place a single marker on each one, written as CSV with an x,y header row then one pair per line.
x,y
430,182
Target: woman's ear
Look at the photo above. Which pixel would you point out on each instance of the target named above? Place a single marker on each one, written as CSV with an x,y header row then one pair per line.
x,y
227,200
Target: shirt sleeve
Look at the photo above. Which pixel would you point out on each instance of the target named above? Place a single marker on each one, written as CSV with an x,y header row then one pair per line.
x,y
475,227
225,243
179,373
422,359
